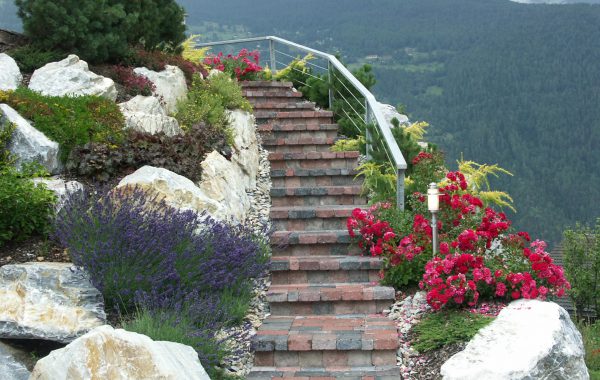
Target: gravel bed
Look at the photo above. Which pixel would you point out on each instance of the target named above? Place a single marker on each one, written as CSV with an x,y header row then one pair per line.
x,y
242,360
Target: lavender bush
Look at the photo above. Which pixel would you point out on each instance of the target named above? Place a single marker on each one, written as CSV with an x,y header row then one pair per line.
x,y
135,247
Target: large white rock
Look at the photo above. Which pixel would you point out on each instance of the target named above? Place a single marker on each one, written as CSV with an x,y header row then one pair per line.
x,y
11,366
170,85
71,77
529,339
177,191
389,112
28,144
116,354
223,182
10,75
49,301
61,188
146,114
245,146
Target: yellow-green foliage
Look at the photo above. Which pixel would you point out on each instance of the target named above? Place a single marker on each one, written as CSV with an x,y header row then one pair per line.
x,y
478,176
417,130
297,66
379,181
348,145
192,54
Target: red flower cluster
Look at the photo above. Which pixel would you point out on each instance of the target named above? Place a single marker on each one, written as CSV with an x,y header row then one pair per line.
x,y
376,236
244,65
421,156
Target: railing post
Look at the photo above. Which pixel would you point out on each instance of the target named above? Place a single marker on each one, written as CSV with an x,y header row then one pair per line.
x,y
330,80
272,56
400,189
367,131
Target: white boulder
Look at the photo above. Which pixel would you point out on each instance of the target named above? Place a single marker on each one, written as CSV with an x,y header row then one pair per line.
x,y
61,188
11,363
49,301
177,191
170,85
222,182
529,339
245,146
71,77
389,112
116,354
28,144
146,114
10,75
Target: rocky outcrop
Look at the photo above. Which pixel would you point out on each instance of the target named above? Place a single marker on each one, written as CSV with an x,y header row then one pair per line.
x,y
11,367
28,144
116,354
170,85
71,77
10,75
389,112
223,183
177,191
49,301
245,146
146,114
529,339
61,188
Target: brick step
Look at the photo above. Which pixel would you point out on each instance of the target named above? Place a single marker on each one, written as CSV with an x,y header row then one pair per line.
x,y
329,299
303,117
390,372
306,144
271,93
324,269
285,106
313,243
265,83
313,160
310,218
315,196
275,130
314,177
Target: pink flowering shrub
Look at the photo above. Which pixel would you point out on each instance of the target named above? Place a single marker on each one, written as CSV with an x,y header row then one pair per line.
x,y
243,66
479,256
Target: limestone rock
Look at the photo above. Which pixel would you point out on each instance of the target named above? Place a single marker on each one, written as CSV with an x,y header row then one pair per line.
x,y
170,85
10,75
146,114
50,301
116,354
11,367
222,181
63,189
529,339
177,191
28,144
71,77
389,112
213,73
245,146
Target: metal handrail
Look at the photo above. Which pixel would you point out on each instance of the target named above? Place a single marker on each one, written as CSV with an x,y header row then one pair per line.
x,y
372,109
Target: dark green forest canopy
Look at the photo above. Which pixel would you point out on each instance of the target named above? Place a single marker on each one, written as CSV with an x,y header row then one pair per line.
x,y
501,82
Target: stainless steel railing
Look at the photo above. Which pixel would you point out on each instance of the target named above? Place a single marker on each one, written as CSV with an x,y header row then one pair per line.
x,y
363,105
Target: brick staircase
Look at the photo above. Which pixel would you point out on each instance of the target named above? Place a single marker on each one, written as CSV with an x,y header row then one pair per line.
x,y
324,297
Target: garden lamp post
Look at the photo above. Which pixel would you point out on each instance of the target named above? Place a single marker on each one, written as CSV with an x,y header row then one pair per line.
x,y
433,204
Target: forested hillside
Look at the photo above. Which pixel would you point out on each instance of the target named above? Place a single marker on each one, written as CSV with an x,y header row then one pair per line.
x,y
500,82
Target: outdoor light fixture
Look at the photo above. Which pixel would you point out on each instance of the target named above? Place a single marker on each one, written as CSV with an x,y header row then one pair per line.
x,y
433,204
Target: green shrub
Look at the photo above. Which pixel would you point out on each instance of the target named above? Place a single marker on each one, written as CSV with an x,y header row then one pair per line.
x,y
439,329
101,31
349,145
70,121
590,333
207,101
25,209
181,154
582,267
6,132
30,58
